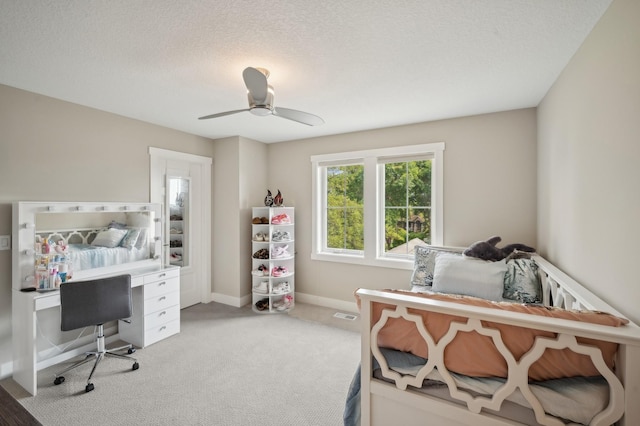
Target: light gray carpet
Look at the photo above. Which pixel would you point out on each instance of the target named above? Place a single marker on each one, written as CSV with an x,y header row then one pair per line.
x,y
228,366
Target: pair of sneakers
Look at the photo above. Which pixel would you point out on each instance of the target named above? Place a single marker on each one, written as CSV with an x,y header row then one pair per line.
x,y
280,219
279,271
283,304
280,236
261,271
281,288
261,287
280,252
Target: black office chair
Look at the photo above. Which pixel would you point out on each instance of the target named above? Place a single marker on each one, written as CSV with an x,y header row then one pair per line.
x,y
94,302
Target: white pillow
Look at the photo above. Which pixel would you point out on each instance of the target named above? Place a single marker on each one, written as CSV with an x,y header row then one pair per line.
x,y
472,277
109,238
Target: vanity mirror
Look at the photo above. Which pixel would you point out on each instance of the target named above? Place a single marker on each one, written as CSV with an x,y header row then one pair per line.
x,y
57,242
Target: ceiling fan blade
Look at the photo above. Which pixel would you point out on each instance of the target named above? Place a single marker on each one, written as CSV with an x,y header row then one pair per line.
x,y
299,116
222,114
256,83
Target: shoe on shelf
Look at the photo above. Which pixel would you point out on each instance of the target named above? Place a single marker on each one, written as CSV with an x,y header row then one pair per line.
x,y
261,287
280,252
280,236
284,304
262,304
175,257
280,219
256,221
279,271
280,305
261,271
261,236
288,301
261,254
264,220
281,288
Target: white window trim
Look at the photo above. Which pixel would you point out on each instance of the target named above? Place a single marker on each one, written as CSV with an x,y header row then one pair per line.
x,y
373,252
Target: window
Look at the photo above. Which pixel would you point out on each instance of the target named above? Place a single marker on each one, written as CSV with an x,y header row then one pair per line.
x,y
345,208
373,207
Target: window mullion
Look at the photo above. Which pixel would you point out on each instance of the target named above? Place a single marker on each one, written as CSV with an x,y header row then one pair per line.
x,y
406,202
371,202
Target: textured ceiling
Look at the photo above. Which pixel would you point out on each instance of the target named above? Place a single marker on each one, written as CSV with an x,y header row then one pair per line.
x,y
359,64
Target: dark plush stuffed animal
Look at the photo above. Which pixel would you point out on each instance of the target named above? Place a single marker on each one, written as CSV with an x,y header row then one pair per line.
x,y
487,250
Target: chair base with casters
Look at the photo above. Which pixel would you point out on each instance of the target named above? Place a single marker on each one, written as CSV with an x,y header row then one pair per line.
x,y
94,302
98,355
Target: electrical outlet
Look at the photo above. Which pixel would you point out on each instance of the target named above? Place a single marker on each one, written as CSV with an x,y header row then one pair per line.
x,y
5,242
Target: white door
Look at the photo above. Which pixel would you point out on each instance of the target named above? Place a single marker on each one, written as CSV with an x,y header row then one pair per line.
x,y
191,249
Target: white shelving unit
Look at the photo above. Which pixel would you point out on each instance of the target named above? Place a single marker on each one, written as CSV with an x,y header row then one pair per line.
x,y
178,225
273,259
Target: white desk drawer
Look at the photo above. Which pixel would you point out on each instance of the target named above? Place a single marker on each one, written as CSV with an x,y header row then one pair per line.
x,y
168,285
162,331
162,316
162,301
161,275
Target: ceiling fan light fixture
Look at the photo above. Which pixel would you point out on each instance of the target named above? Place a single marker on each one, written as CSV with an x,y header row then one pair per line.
x,y
261,110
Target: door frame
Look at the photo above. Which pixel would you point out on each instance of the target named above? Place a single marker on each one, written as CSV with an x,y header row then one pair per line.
x,y
157,166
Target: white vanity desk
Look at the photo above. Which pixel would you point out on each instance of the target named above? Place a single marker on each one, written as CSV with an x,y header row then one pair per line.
x,y
156,298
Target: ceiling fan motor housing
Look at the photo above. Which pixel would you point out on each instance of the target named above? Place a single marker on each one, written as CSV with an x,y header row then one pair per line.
x,y
261,107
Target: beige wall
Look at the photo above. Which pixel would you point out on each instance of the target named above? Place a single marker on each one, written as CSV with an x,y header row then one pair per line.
x,y
239,183
490,189
589,129
55,150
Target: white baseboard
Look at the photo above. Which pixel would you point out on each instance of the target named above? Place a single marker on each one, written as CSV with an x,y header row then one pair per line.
x,y
326,302
311,299
237,302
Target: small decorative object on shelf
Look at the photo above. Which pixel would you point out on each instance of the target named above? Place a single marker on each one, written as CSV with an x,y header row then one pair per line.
x,y
268,200
278,200
273,259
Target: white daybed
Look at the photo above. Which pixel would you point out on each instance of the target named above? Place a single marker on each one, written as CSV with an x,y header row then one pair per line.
x,y
391,389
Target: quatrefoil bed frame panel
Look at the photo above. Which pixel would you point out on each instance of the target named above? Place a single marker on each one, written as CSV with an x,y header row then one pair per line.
x,y
382,401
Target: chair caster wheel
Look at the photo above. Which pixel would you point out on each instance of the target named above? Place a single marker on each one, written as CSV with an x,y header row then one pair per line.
x,y
58,380
131,350
135,366
89,387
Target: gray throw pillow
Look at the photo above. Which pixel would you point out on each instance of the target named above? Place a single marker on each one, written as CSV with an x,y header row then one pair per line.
x,y
522,282
424,264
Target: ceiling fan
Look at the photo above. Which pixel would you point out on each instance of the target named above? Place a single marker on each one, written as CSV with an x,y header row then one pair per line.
x,y
260,95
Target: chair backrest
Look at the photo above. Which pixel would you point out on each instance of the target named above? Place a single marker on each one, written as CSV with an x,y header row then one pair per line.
x,y
94,302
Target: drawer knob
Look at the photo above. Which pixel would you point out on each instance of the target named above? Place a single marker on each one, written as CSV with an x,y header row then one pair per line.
x,y
162,313
163,328
162,275
162,298
162,283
